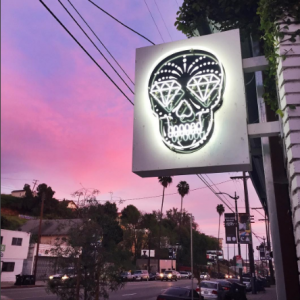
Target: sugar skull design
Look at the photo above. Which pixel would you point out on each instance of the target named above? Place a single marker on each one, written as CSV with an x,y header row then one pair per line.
x,y
185,89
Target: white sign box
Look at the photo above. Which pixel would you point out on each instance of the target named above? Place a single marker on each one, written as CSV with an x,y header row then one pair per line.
x,y
190,108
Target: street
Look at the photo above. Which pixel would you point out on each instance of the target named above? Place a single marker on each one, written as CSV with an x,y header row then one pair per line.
x,y
132,290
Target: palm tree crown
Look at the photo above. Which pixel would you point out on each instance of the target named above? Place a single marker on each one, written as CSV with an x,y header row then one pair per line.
x,y
183,189
220,209
165,181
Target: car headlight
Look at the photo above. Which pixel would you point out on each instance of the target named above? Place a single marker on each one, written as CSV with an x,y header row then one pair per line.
x,y
65,277
50,277
226,276
169,275
161,274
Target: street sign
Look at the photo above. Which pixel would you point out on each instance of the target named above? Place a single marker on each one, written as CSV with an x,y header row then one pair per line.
x,y
244,229
230,228
239,262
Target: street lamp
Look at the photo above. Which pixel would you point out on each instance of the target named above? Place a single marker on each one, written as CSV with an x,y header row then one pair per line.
x,y
235,198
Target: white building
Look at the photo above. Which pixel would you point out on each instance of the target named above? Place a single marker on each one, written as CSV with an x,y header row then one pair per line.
x,y
14,249
18,193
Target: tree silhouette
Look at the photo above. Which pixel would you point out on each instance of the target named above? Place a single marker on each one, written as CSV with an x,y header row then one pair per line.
x,y
183,189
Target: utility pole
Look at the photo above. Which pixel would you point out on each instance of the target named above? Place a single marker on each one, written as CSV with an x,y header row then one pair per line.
x,y
34,184
266,219
192,270
250,245
235,198
228,257
39,236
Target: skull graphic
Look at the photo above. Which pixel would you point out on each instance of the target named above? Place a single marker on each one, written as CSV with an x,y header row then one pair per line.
x,y
185,89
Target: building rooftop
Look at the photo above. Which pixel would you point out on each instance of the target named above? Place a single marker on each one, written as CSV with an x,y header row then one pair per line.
x,y
51,227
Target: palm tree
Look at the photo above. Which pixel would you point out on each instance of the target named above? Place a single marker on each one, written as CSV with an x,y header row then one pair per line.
x,y
220,210
165,181
183,189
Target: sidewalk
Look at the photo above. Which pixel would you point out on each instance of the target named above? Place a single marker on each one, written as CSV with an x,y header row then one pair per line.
x,y
270,294
10,285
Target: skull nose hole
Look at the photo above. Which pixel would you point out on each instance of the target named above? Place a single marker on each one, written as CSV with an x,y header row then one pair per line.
x,y
185,111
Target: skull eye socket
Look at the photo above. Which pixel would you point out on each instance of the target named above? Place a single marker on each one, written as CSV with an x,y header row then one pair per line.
x,y
165,92
204,87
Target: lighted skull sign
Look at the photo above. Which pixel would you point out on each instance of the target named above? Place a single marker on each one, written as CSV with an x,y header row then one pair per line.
x,y
185,89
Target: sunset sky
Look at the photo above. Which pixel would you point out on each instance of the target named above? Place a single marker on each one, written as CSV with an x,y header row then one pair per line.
x,y
65,124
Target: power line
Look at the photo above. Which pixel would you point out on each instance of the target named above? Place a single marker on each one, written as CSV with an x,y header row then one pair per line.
x,y
95,46
154,21
225,196
212,189
121,22
85,50
158,196
100,41
206,183
163,20
14,178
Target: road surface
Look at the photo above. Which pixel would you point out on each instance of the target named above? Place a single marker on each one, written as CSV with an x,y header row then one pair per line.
x,y
132,290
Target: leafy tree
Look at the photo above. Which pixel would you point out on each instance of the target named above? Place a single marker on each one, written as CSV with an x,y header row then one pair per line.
x,y
183,189
220,210
28,192
93,249
130,217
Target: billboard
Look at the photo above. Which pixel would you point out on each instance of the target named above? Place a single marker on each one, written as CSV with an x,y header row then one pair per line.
x,y
145,253
230,228
244,228
211,256
190,109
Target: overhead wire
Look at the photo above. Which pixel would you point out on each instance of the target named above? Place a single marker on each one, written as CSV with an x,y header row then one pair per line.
x,y
121,22
97,37
206,183
154,21
95,46
224,195
212,189
163,20
89,55
170,194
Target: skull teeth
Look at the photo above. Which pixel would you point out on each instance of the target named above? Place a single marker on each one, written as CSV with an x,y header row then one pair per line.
x,y
185,132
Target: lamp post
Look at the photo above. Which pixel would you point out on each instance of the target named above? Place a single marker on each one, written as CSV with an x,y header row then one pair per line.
x,y
235,198
192,269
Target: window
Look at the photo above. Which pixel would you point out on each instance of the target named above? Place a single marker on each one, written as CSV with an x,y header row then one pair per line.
x,y
17,241
8,266
1,240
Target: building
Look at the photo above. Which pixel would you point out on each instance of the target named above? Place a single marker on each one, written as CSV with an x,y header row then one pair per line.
x,y
52,231
14,250
18,193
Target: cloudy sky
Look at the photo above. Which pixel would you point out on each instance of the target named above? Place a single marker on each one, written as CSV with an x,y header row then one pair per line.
x,y
65,124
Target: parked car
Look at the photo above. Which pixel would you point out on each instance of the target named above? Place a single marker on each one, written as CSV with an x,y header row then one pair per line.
x,y
204,276
178,275
63,275
126,276
140,275
168,275
154,276
184,274
178,293
220,290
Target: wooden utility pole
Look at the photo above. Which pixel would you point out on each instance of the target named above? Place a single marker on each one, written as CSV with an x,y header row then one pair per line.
x,y
250,245
39,235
